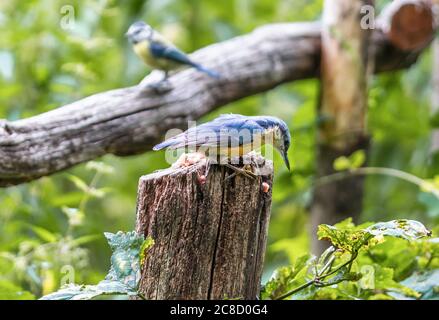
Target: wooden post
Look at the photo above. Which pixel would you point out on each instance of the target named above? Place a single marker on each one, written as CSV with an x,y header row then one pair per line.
x,y
210,232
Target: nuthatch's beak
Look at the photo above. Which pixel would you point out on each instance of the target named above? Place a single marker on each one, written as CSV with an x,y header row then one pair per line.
x,y
285,157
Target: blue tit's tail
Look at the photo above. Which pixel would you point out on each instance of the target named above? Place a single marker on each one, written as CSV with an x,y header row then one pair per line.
x,y
211,73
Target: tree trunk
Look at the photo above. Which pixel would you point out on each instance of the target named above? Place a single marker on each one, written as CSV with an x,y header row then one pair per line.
x,y
210,233
345,51
347,44
434,148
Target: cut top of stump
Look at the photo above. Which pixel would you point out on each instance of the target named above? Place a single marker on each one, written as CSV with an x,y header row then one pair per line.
x,y
259,165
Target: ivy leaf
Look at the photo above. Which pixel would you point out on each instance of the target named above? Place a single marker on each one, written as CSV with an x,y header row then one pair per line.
x,y
125,261
84,292
124,274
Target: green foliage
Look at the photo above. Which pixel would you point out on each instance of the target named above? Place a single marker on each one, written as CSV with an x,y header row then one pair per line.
x,y
352,269
426,284
9,291
56,222
124,275
355,160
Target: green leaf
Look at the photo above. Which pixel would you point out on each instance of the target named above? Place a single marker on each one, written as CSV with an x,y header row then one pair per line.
x,y
285,278
354,161
403,228
44,234
431,203
426,283
86,292
434,120
351,239
358,158
342,163
85,239
147,244
125,261
384,281
124,274
79,183
10,291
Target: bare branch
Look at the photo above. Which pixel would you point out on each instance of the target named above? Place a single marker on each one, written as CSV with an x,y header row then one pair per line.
x,y
130,120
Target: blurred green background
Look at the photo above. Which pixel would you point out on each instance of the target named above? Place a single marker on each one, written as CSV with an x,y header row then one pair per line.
x,y
59,220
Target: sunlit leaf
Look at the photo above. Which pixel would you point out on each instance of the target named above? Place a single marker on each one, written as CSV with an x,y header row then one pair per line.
x,y
44,234
352,239
406,229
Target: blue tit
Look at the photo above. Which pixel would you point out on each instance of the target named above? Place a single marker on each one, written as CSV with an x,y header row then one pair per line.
x,y
234,134
159,53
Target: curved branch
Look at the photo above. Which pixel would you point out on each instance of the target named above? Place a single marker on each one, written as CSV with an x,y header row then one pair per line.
x,y
131,120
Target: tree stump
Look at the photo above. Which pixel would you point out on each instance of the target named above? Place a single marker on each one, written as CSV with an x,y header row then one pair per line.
x,y
210,232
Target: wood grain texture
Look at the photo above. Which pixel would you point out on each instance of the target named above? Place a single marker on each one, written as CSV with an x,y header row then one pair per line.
x,y
209,238
131,120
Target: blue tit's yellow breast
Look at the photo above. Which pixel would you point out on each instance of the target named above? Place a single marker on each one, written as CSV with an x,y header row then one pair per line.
x,y
142,49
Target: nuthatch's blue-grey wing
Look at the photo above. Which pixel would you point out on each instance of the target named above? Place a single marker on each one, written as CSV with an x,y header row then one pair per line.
x,y
226,131
161,50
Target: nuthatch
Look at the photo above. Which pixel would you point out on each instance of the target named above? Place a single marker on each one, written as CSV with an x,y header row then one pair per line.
x,y
233,135
159,53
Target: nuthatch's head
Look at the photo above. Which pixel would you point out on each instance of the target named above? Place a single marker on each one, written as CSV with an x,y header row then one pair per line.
x,y
139,31
281,136
282,140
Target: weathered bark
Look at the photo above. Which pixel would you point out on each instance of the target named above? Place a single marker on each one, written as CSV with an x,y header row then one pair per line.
x,y
131,120
209,237
345,54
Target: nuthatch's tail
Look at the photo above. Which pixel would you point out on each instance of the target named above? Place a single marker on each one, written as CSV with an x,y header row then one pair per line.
x,y
164,144
211,73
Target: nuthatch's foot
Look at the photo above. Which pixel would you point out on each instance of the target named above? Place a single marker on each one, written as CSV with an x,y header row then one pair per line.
x,y
244,171
189,159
